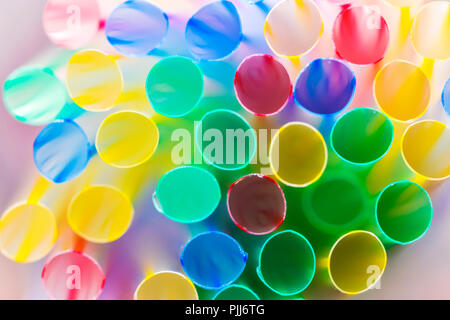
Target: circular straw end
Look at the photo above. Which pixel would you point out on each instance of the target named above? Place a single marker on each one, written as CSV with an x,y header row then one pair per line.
x,y
188,194
287,263
404,212
356,262
166,285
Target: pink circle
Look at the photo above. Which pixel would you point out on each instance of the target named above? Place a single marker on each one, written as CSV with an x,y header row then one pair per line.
x,y
72,275
262,85
71,23
361,35
256,204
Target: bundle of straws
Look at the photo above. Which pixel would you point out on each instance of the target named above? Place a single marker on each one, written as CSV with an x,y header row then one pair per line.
x,y
230,149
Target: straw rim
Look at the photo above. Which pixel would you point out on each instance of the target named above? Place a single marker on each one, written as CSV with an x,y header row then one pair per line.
x,y
135,295
241,36
377,219
139,115
116,67
124,5
321,139
332,250
244,256
247,124
48,212
247,289
214,180
279,54
280,108
390,124
377,102
83,134
88,237
259,272
403,153
353,82
201,93
282,195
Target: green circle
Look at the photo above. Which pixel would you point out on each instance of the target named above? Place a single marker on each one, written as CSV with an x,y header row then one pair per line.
x,y
225,139
287,263
362,136
34,95
404,212
236,292
335,204
188,194
174,86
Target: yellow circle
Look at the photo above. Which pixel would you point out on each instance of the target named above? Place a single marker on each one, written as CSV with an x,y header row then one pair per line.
x,y
166,286
402,90
94,80
356,262
430,33
298,154
100,214
27,232
126,139
426,149
293,27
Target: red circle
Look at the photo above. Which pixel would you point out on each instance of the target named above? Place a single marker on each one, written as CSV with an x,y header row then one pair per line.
x,y
256,204
72,275
262,85
361,35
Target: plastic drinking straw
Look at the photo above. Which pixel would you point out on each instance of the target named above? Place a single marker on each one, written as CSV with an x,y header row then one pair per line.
x,y
425,148
430,33
361,35
402,90
256,204
100,214
325,86
298,154
225,139
335,204
94,80
262,85
34,95
213,260
174,86
401,3
27,232
446,97
404,212
166,285
236,292
188,194
293,27
356,262
362,136
126,139
214,31
287,263
71,24
73,275
53,158
340,2
136,27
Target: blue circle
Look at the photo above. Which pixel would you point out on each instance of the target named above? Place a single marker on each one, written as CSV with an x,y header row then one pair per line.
x,y
213,260
214,31
326,86
136,27
446,97
61,151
